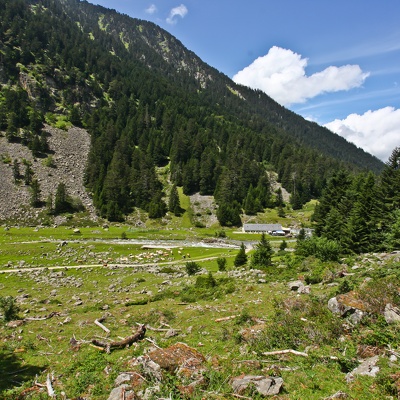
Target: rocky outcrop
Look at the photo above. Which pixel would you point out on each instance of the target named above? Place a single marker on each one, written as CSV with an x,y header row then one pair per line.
x,y
69,151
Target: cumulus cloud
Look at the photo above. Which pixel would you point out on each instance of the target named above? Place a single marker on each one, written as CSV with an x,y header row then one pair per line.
x,y
377,132
281,74
152,9
179,11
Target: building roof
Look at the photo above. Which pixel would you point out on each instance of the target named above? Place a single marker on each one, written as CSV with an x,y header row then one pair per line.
x,y
262,227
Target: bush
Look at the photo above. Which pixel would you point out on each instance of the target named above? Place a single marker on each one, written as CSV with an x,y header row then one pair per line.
x,y
192,267
220,234
221,261
322,248
8,308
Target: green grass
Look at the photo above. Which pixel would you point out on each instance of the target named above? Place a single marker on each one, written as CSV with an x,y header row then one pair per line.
x,y
151,287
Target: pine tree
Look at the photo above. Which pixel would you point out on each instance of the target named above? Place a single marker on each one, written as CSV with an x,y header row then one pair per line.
x,y
262,256
35,193
28,174
174,205
16,171
61,203
241,256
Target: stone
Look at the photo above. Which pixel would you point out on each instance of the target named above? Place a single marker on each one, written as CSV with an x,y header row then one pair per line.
x,y
367,367
265,385
122,378
392,314
338,395
121,392
295,285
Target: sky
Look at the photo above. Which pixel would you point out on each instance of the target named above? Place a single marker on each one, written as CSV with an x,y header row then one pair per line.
x,y
333,62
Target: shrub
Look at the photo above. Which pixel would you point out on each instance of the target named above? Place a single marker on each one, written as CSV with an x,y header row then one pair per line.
x,y
322,248
8,308
221,261
220,234
241,256
192,267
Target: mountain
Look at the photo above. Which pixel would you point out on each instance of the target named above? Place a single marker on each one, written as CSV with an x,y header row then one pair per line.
x,y
147,103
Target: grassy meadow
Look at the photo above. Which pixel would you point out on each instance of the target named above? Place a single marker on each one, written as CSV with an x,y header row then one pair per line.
x,y
62,279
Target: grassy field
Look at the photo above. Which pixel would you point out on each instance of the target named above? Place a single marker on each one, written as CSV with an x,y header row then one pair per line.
x,y
232,318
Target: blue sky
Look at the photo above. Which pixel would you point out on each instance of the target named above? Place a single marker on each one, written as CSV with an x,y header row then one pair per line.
x,y
333,62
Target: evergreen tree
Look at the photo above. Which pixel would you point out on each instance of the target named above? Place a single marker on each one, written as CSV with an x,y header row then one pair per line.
x,y
28,175
174,204
49,204
61,200
16,171
157,207
35,193
12,127
241,257
262,256
229,214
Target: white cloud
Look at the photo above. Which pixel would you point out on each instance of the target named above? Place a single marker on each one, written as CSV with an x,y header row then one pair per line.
x,y
180,11
281,74
152,9
377,132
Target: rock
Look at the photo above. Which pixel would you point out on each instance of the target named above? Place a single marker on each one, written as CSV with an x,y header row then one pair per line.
x,y
265,385
170,333
338,395
367,367
348,305
392,314
15,324
122,378
295,285
121,392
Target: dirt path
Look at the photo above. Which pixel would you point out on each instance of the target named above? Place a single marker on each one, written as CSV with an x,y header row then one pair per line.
x,y
137,265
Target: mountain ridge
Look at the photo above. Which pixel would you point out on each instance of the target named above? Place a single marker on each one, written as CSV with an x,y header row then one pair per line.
x,y
147,100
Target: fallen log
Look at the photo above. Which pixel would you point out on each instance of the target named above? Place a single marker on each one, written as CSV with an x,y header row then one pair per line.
x,y
291,351
50,390
99,321
225,318
138,335
51,315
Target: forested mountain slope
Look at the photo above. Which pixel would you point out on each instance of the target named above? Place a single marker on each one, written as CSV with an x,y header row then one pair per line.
x,y
148,101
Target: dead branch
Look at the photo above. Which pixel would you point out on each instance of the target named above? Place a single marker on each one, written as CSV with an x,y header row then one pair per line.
x,y
50,390
138,335
51,315
151,328
99,321
291,351
225,318
153,343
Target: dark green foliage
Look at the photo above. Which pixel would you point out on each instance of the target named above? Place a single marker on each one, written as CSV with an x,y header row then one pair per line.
x,y
8,308
35,193
220,234
221,261
322,248
192,267
241,257
143,111
229,214
28,174
61,203
16,171
262,256
174,204
283,245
